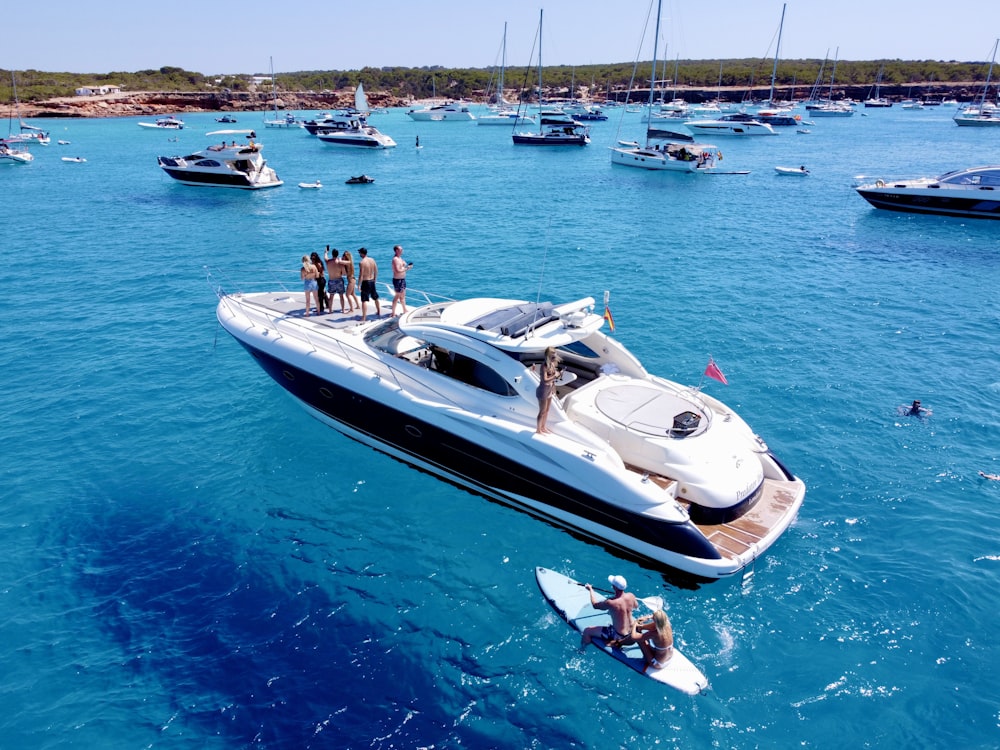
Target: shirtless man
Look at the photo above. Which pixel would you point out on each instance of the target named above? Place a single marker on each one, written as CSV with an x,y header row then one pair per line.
x,y
621,606
399,269
336,280
368,274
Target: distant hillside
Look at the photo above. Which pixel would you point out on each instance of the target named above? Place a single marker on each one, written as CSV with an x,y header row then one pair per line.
x,y
595,81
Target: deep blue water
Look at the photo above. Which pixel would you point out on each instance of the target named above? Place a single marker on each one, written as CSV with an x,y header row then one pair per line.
x,y
191,561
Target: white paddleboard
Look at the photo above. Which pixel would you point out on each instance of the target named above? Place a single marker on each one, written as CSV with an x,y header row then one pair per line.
x,y
571,601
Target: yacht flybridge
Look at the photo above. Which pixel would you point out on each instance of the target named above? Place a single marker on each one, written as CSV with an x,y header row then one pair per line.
x,y
638,462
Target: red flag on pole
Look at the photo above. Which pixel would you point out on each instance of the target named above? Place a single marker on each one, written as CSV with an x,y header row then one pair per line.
x,y
610,318
713,371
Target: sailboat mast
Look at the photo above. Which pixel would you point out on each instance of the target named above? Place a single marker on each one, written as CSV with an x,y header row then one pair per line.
x,y
503,64
833,73
540,13
652,83
986,88
777,49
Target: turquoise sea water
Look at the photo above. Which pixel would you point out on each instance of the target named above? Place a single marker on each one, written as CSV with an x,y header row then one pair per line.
x,y
192,562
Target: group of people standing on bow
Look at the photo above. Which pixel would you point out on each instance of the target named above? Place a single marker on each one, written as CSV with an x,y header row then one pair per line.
x,y
334,275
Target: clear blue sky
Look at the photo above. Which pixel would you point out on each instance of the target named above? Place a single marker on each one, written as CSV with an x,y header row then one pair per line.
x,y
239,36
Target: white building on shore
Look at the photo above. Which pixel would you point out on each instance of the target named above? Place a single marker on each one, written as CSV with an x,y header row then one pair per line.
x,y
98,90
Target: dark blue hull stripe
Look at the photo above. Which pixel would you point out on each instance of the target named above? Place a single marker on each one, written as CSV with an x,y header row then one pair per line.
x,y
973,208
204,178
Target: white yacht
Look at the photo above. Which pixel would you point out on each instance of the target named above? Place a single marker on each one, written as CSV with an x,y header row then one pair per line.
x,y
665,150
446,112
352,131
659,469
505,116
972,193
13,153
737,123
223,165
164,123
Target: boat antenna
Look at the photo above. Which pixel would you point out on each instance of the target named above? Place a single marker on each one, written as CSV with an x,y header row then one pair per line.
x,y
541,279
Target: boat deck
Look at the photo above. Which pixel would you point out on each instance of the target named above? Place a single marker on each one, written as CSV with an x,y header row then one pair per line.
x,y
736,537
739,535
292,305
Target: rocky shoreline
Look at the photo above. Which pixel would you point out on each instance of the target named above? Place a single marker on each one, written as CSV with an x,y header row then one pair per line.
x,y
147,103
174,102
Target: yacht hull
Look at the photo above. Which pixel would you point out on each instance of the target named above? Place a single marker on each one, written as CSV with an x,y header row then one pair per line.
x,y
919,202
468,461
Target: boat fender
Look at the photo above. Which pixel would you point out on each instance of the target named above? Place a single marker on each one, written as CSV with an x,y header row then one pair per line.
x,y
879,183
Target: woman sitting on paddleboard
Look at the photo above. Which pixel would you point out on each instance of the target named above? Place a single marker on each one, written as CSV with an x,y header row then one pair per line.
x,y
656,639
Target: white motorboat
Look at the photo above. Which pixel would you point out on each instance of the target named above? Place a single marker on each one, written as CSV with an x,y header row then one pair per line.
x,y
74,159
13,153
793,171
971,193
667,151
332,119
311,185
352,131
505,116
225,165
444,112
737,123
659,469
349,127
164,123
664,149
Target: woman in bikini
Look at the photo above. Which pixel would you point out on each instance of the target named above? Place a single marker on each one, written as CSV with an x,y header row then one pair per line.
x,y
309,273
656,639
546,388
352,299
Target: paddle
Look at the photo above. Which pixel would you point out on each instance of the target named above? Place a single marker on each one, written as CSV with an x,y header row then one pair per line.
x,y
652,603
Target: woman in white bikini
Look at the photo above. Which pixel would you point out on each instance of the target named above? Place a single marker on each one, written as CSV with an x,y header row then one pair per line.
x,y
656,639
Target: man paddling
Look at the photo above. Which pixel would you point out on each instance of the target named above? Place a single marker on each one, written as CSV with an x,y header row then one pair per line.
x,y
621,606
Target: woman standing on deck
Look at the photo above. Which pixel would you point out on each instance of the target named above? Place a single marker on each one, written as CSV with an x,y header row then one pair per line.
x,y
352,298
546,388
323,302
309,273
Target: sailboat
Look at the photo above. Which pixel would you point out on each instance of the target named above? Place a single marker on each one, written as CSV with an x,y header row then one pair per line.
x,y
981,112
501,113
288,120
11,147
877,100
664,149
555,128
27,133
830,108
773,113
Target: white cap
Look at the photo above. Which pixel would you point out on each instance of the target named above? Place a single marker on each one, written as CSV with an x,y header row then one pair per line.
x,y
618,582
